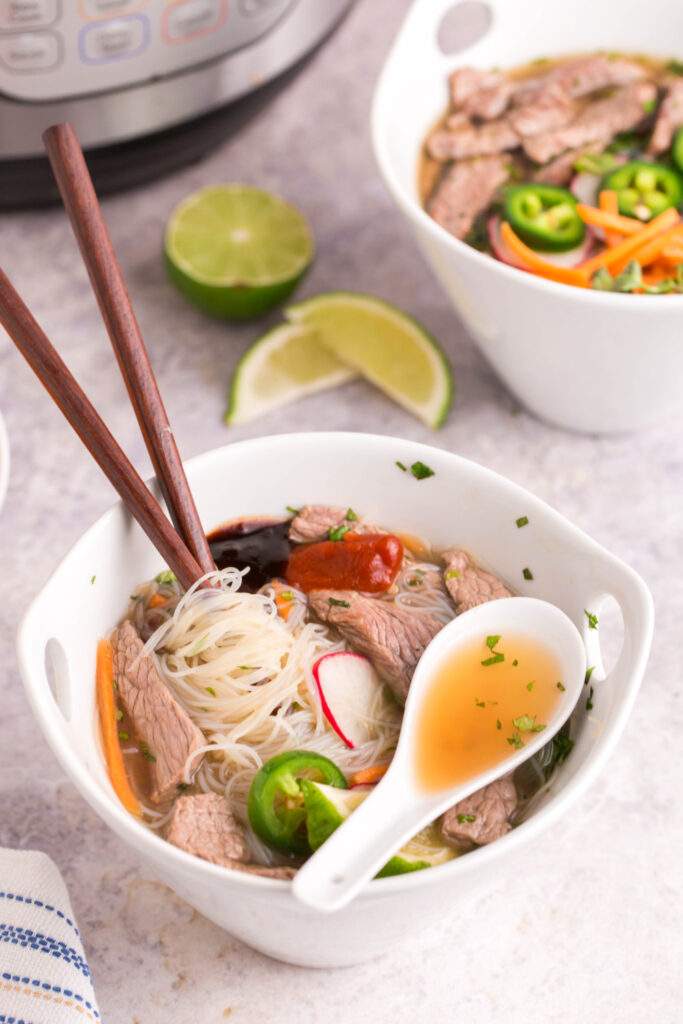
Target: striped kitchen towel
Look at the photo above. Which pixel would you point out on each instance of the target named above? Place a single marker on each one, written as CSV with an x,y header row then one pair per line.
x,y
44,976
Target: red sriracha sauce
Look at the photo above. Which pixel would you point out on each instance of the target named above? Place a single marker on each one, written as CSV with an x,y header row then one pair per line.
x,y
367,562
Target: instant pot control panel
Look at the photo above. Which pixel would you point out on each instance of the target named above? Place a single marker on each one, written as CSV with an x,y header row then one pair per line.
x,y
53,49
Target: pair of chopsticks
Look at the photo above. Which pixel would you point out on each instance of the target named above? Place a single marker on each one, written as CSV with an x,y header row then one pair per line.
x,y
184,548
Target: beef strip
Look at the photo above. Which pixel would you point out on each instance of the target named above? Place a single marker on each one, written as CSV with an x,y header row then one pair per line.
x,y
560,171
623,111
392,637
471,586
314,522
553,108
669,118
466,83
491,101
472,140
465,191
579,78
490,807
157,717
204,826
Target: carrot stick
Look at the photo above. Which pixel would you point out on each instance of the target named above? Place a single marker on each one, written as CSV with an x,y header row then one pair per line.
x,y
369,776
609,218
672,255
110,736
616,259
537,265
655,274
284,605
609,203
157,601
653,249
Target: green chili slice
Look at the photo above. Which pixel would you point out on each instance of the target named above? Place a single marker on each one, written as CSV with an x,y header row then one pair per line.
x,y
643,189
276,805
544,217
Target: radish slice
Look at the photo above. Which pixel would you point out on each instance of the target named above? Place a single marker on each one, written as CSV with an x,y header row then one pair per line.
x,y
571,258
348,687
585,187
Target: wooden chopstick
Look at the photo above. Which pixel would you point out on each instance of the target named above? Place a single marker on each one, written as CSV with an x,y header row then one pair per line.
x,y
87,221
56,377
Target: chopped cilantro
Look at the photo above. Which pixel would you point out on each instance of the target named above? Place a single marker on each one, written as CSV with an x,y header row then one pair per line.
x,y
293,511
515,741
350,516
337,532
286,595
167,576
592,619
561,687
496,656
527,574
522,521
210,689
527,723
462,818
452,574
146,752
595,163
515,663
589,673
246,668
401,466
589,702
420,471
562,747
119,714
649,106
499,724
530,686
336,603
124,737
479,703
675,67
92,580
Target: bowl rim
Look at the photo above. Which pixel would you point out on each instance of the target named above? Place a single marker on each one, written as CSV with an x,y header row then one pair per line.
x,y
5,461
161,852
412,208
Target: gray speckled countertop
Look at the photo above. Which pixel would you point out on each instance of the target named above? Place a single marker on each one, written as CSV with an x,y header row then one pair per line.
x,y
591,932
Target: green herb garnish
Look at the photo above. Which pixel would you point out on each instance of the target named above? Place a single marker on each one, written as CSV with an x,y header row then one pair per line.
x,y
602,280
499,724
496,656
530,685
527,574
479,703
420,471
515,663
350,516
522,521
675,67
337,603
561,687
92,580
452,574
589,702
337,532
124,737
286,595
589,673
649,106
210,689
629,280
462,818
401,466
119,714
146,752
592,619
165,577
182,787
293,511
527,723
515,741
595,163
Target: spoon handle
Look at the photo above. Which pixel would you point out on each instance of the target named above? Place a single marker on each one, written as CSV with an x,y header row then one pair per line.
x,y
356,851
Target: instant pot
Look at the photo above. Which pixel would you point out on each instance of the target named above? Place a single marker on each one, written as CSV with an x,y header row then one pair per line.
x,y
149,84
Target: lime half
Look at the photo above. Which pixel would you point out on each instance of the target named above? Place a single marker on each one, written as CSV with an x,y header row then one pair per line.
x,y
283,365
236,251
386,346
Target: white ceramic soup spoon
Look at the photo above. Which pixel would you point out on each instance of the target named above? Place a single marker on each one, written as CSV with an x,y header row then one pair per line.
x,y
399,806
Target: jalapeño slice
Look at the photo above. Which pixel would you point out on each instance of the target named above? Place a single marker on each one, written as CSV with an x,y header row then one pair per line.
x,y
276,804
644,189
544,216
677,149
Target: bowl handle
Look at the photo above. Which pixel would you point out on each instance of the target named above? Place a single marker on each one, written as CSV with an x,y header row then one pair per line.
x,y
417,39
637,610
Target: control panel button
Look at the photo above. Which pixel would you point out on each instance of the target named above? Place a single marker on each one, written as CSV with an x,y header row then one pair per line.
x,y
106,41
21,14
93,9
30,52
189,19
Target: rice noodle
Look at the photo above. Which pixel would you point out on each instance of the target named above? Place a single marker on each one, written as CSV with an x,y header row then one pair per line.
x,y
244,676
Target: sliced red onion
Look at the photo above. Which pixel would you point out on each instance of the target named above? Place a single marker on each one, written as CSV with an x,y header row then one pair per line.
x,y
571,258
586,187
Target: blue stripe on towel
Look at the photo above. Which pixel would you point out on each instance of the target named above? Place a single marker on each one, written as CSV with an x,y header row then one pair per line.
x,y
30,901
36,983
29,939
4,1019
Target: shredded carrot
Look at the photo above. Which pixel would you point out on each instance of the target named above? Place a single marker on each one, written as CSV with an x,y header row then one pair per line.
x,y
654,249
672,255
157,601
537,265
369,776
609,203
616,259
611,219
655,274
110,737
284,606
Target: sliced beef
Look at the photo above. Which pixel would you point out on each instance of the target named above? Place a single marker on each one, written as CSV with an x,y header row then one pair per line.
x,y
578,78
490,808
466,83
158,719
204,825
553,108
669,118
560,171
465,191
392,637
469,585
624,110
472,140
491,101
314,522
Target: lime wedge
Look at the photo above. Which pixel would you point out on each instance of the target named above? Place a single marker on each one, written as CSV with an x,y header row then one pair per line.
x,y
236,251
283,365
386,346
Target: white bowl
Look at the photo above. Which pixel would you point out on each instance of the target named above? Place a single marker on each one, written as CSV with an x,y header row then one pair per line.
x,y
464,504
585,360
